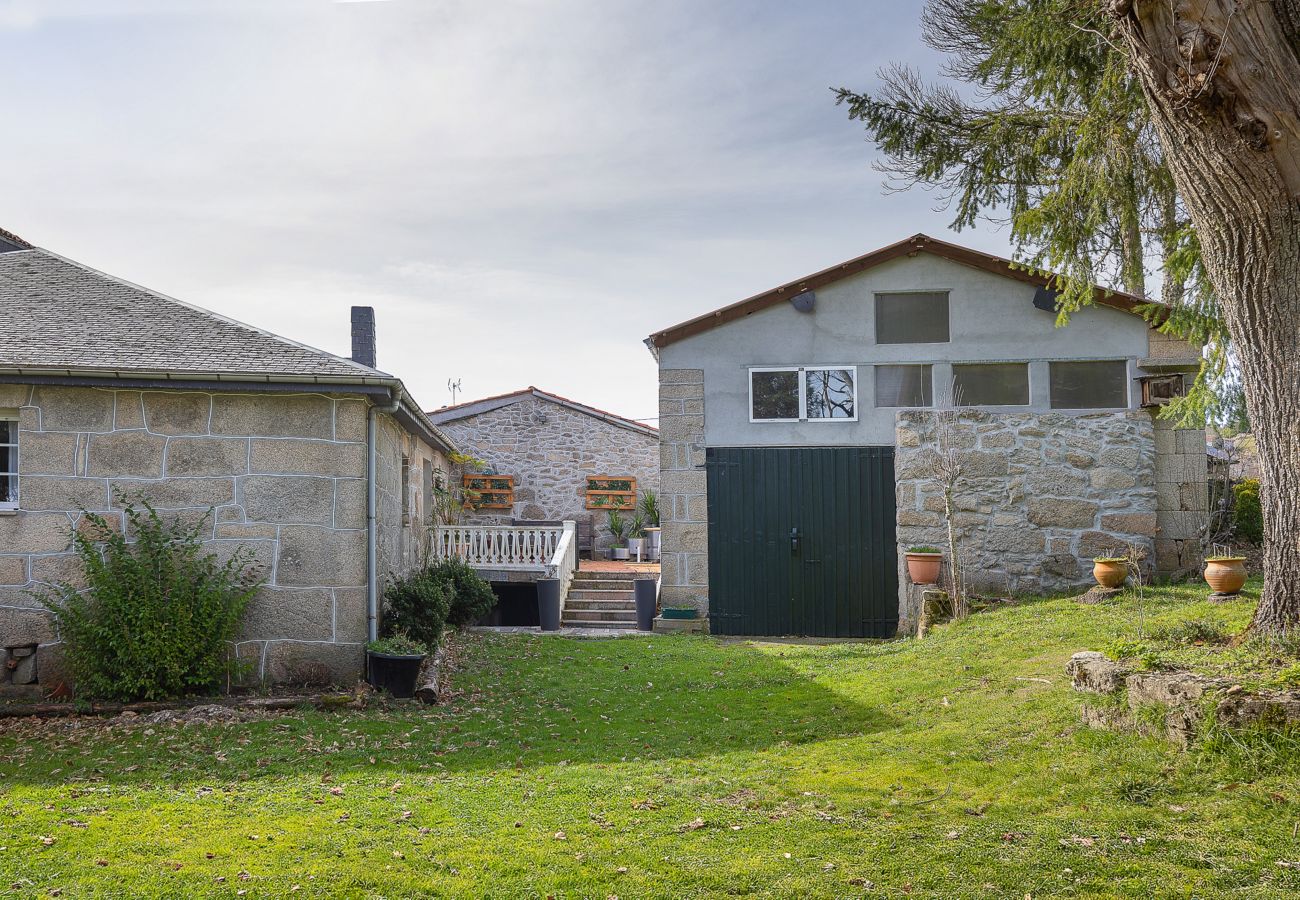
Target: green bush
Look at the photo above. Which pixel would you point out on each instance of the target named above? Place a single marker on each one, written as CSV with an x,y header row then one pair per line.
x,y
1247,514
416,605
472,597
158,615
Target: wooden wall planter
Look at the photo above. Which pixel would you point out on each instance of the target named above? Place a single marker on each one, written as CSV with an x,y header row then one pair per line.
x,y
611,492
490,491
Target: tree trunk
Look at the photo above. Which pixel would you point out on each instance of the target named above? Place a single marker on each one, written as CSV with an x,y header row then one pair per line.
x,y
1222,80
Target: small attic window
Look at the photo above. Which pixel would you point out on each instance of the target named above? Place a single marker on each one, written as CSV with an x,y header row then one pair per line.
x,y
912,317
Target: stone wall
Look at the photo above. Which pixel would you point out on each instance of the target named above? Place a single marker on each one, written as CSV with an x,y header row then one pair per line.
x,y
1041,494
403,520
551,450
284,473
684,489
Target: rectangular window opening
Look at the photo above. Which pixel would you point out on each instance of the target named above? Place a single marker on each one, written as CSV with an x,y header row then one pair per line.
x,y
904,386
1099,384
8,462
991,384
803,394
912,317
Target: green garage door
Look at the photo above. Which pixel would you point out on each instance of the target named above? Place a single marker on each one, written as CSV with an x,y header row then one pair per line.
x,y
801,541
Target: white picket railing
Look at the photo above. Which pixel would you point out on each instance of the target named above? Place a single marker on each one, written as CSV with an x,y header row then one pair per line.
x,y
565,561
501,547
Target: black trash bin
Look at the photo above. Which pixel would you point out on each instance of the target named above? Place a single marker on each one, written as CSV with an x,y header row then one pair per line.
x,y
645,590
548,603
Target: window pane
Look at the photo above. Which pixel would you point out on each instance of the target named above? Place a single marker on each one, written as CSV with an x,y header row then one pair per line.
x,y
775,394
912,318
7,428
903,386
991,384
830,393
8,487
1089,385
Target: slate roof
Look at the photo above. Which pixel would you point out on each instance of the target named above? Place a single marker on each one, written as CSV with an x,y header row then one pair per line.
x,y
487,404
57,315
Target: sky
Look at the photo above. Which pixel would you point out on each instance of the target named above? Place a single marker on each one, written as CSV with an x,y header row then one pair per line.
x,y
524,190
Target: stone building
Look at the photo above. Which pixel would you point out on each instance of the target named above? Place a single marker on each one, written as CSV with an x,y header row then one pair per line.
x,y
550,447
796,427
320,466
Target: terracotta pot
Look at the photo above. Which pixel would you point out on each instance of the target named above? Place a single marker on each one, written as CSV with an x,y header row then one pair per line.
x,y
1110,574
923,568
1226,576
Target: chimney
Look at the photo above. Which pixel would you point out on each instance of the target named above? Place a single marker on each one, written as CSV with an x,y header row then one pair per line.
x,y
363,335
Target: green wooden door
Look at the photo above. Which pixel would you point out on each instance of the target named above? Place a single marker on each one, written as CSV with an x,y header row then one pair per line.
x,y
801,541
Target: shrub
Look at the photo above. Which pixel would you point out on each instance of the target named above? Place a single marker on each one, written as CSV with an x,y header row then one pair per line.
x,y
158,615
416,605
1247,514
397,645
471,596
1194,631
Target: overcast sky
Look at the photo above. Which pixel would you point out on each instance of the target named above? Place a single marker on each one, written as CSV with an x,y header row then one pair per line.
x,y
523,190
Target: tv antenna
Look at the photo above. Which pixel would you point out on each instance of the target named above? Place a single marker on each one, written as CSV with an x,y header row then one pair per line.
x,y
454,387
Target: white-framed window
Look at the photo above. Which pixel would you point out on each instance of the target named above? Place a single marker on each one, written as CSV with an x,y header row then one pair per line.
x,y
991,384
904,386
8,459
826,393
1089,384
912,317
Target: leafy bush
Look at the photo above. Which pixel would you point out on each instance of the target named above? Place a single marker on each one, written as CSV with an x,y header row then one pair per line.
x,y
416,605
397,645
1247,514
471,596
158,616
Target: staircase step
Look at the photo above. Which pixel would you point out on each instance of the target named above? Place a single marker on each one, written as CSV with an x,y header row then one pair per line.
x,y
583,603
589,594
601,615
588,623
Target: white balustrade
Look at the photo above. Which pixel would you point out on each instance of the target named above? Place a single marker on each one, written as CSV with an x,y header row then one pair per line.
x,y
502,547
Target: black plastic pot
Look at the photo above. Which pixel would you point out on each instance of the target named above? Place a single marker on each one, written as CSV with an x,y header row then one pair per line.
x,y
548,603
393,672
644,590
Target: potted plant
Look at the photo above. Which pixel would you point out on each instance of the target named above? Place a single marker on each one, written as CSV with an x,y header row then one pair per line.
x,y
617,526
1224,572
1110,571
393,664
650,510
636,535
923,564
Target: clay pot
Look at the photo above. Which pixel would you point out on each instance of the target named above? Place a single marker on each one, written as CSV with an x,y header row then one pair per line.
x,y
923,568
1226,576
1110,574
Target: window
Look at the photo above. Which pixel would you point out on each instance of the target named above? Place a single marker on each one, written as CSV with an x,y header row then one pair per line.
x,y
991,384
611,492
904,386
8,461
912,318
774,395
1089,385
813,394
426,484
489,491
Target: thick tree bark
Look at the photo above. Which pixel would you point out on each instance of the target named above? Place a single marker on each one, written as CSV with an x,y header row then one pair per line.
x,y
1222,79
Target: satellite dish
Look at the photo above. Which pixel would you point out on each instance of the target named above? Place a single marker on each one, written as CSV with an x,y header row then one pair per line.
x,y
804,302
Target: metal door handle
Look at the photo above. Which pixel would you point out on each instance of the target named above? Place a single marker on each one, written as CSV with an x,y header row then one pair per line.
x,y
794,540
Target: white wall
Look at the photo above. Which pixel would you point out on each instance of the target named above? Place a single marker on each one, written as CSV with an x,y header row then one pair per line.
x,y
992,318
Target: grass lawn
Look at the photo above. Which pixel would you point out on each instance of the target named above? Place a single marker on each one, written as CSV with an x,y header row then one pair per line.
x,y
673,766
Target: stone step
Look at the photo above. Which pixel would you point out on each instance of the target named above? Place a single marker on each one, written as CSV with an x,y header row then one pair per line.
x,y
585,603
600,615
587,623
581,593
600,585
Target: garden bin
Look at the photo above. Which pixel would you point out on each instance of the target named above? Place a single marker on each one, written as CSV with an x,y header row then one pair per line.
x,y
645,590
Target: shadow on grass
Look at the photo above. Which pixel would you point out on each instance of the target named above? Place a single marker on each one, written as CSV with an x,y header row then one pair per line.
x,y
519,702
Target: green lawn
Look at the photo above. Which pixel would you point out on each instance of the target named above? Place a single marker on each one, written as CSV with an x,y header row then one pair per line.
x,y
672,766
